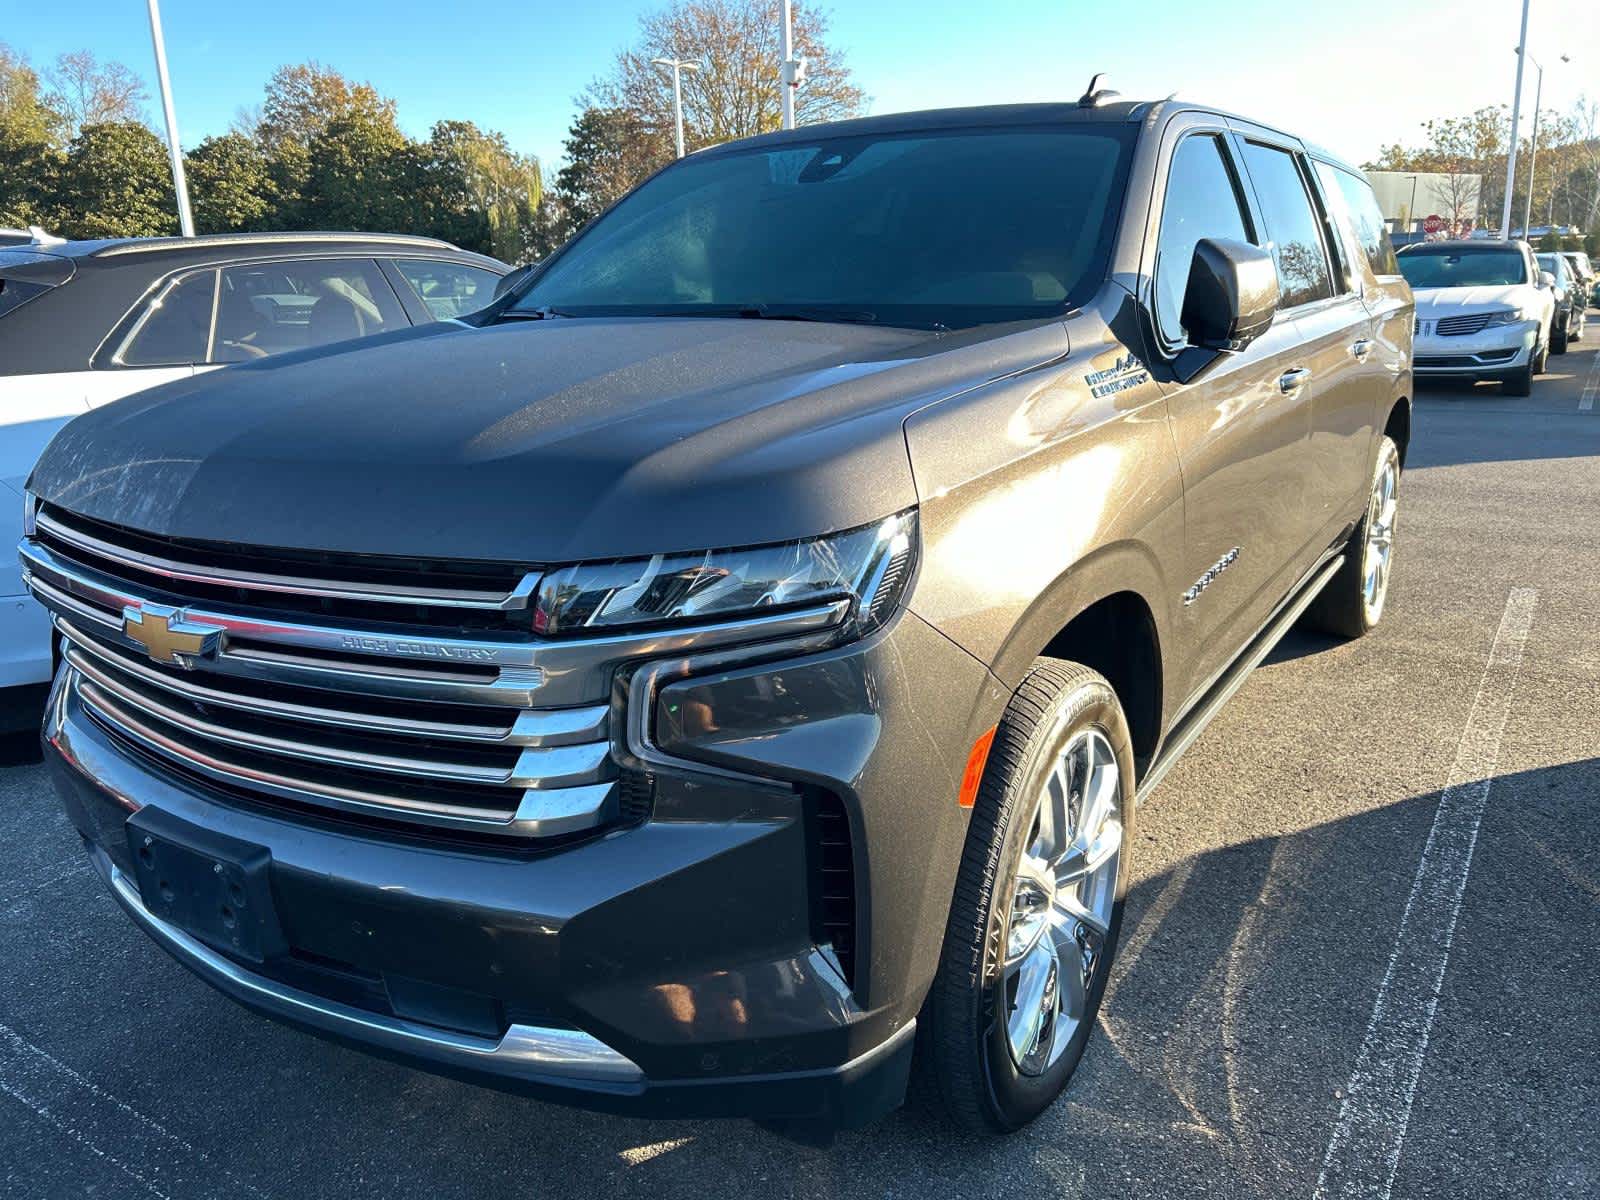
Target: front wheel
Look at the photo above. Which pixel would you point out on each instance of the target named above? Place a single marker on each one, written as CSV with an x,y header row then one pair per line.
x,y
1558,338
1521,383
1352,602
1038,904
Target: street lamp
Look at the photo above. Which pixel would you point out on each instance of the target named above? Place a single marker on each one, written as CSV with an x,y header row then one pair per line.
x,y
180,186
1516,116
1533,150
678,65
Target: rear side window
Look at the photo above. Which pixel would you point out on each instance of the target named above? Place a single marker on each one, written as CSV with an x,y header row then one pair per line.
x,y
1202,201
1303,275
1366,219
175,327
14,293
267,308
448,289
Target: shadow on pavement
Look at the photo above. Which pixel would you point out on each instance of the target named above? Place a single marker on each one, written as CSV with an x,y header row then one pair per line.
x,y
1240,998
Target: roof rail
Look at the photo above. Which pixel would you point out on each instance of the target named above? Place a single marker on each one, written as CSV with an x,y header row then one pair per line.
x,y
151,245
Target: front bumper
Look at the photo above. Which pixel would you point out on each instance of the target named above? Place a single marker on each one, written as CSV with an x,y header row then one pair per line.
x,y
672,968
1497,351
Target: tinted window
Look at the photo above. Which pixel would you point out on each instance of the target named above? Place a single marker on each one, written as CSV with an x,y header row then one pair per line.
x,y
1291,225
1366,219
952,229
448,289
1430,267
1556,265
174,329
1201,202
14,293
267,308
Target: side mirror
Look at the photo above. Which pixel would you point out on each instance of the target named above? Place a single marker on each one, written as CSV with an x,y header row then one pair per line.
x,y
1231,297
1546,280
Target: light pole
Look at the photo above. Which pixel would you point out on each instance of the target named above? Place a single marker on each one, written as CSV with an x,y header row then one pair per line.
x,y
1516,115
1411,209
1533,150
180,185
678,65
786,70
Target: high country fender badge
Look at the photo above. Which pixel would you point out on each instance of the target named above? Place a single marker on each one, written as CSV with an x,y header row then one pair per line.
x,y
1205,581
168,636
1127,372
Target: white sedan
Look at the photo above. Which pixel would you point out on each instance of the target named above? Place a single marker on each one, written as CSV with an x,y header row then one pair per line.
x,y
1484,311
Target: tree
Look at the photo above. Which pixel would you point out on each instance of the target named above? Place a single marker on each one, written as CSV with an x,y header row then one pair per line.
x,y
231,184
310,106
735,93
492,190
117,182
1469,151
607,151
86,91
30,156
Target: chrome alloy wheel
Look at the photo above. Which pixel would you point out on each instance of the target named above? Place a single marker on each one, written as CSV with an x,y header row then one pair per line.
x,y
1062,904
1379,546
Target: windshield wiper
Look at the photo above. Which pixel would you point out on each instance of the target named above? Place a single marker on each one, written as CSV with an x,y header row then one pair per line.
x,y
542,313
788,312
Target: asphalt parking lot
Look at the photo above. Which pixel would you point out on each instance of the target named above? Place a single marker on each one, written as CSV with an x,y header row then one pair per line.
x,y
1363,958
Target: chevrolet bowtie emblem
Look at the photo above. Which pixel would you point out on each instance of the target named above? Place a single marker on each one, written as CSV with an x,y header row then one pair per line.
x,y
168,637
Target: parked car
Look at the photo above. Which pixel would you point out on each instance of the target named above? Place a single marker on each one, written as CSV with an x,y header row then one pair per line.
x,y
730,664
1571,302
83,323
1484,311
1583,268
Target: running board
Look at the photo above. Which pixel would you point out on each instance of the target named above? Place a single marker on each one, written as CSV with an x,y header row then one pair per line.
x,y
1194,722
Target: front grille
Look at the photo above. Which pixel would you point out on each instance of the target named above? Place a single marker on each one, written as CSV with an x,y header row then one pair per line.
x,y
1462,326
367,588
430,724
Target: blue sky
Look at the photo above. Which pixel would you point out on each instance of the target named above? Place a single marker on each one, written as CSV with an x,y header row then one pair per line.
x,y
1368,78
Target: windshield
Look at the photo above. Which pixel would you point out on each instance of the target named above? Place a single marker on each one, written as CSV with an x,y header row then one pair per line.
x,y
924,229
1463,268
1555,264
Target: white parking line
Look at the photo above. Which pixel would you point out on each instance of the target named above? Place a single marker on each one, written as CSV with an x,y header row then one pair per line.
x,y
1591,386
159,1161
1364,1150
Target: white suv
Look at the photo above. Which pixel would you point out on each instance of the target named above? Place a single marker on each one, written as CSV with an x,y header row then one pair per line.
x,y
1484,311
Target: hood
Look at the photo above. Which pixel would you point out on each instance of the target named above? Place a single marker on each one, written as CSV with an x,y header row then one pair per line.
x,y
532,441
1453,301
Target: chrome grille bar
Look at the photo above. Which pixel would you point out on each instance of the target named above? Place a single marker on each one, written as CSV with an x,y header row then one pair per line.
x,y
429,721
181,571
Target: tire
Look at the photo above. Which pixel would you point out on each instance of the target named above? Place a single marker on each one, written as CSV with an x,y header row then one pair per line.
x,y
978,1012
1558,338
1520,384
1347,607
1541,359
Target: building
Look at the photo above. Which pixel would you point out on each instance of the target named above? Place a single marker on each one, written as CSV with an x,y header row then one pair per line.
x,y
1408,198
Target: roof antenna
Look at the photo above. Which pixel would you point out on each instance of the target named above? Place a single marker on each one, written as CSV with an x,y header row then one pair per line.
x,y
1095,95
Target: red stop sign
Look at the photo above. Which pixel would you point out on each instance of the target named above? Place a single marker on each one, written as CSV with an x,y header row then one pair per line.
x,y
1432,224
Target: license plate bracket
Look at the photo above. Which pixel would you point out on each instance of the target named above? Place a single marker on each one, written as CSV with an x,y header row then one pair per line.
x,y
214,887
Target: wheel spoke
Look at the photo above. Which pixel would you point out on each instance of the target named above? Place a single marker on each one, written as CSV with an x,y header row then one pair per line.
x,y
1070,911
1030,1009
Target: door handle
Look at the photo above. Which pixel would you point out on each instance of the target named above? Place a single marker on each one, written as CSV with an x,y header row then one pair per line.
x,y
1361,349
1291,382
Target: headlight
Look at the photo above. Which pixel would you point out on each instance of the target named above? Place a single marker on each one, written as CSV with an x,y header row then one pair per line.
x,y
870,565
1506,316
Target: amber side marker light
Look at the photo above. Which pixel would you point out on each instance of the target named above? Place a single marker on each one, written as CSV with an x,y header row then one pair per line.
x,y
973,775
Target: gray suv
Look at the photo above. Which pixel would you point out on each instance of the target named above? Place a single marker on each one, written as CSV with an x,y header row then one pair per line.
x,y
728,668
